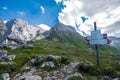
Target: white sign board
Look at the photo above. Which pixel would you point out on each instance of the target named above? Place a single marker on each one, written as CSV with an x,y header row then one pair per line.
x,y
96,38
96,35
100,41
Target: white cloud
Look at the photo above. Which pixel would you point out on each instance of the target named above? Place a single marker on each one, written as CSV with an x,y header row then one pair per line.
x,y
21,13
5,21
45,27
58,1
4,8
42,9
105,12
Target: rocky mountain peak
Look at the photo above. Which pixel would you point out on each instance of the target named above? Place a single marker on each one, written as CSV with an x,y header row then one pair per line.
x,y
61,27
20,31
3,28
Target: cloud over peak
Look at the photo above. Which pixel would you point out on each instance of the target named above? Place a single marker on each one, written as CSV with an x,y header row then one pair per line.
x,y
105,12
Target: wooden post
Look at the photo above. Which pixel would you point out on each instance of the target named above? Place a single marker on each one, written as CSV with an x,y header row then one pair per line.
x,y
96,47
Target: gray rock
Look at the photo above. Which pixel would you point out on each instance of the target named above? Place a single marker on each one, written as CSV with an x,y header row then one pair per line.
x,y
32,61
52,57
3,54
87,63
58,74
47,78
10,47
40,58
53,78
48,64
78,74
3,28
75,74
73,65
5,76
33,69
116,79
29,76
25,68
11,57
6,63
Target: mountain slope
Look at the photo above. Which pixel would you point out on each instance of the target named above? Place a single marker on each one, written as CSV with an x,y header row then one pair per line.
x,y
65,33
20,31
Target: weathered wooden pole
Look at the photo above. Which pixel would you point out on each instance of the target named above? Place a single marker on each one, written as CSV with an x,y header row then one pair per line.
x,y
96,47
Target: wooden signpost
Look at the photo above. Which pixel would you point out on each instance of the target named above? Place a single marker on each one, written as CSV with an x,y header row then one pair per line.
x,y
97,38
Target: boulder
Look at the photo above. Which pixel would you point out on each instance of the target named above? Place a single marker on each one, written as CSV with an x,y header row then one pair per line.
x,y
52,58
11,57
29,76
10,47
48,64
32,61
75,74
3,54
116,79
7,63
5,76
87,63
50,78
40,58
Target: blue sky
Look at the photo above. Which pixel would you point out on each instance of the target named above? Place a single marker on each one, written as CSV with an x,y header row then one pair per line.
x,y
70,12
34,11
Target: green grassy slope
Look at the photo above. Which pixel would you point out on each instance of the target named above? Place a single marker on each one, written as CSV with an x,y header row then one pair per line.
x,y
43,47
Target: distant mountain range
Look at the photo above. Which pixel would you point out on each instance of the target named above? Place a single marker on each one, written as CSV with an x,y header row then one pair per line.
x,y
20,32
115,42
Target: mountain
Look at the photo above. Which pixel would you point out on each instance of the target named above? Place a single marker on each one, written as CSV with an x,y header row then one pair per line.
x,y
63,54
65,33
115,41
20,31
2,28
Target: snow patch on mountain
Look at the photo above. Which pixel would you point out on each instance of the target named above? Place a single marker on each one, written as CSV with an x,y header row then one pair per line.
x,y
45,27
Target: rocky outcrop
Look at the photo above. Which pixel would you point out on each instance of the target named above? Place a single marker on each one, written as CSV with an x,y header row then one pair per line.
x,y
4,55
3,28
27,76
48,69
20,32
5,76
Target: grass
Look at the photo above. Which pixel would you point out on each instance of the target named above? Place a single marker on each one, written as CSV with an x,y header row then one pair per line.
x,y
75,53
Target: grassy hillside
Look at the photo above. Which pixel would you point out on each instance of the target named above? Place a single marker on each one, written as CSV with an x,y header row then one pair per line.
x,y
75,54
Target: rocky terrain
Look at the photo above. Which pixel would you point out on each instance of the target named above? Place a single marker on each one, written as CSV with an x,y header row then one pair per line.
x,y
30,52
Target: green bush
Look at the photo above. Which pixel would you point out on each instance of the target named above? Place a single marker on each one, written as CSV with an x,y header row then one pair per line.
x,y
8,68
38,63
65,60
92,70
75,78
109,72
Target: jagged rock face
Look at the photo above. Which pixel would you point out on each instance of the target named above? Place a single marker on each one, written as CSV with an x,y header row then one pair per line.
x,y
64,33
2,28
20,31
